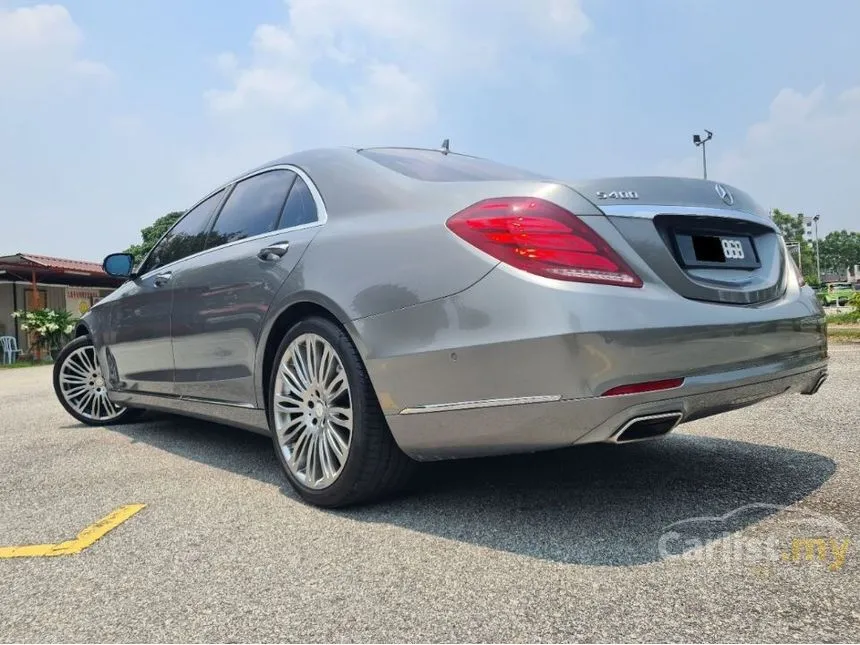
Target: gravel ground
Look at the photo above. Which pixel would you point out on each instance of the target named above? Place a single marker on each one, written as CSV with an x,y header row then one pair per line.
x,y
558,546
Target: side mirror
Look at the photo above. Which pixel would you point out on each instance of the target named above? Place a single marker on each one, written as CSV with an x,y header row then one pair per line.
x,y
119,265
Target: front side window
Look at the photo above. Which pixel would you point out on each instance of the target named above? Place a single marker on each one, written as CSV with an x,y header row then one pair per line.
x,y
300,207
252,208
186,237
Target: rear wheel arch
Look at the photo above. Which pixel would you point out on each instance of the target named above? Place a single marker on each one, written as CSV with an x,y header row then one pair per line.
x,y
281,324
81,330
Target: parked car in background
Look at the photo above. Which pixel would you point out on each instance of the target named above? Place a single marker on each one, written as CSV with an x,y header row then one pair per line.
x,y
368,308
836,293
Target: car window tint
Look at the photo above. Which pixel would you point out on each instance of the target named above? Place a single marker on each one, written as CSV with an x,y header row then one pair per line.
x,y
300,207
432,165
186,237
252,208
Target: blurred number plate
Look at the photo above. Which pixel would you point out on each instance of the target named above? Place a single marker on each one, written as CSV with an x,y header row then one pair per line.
x,y
717,251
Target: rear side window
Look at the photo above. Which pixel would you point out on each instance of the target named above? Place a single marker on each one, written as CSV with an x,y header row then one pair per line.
x,y
252,208
186,237
431,165
300,207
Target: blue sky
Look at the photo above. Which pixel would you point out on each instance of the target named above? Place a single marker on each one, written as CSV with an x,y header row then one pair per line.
x,y
113,113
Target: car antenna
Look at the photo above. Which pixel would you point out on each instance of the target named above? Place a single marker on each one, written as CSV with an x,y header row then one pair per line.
x,y
446,146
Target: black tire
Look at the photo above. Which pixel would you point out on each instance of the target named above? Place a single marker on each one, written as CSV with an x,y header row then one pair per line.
x,y
127,415
375,466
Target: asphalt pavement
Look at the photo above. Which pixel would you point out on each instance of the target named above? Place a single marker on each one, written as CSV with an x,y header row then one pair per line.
x,y
741,527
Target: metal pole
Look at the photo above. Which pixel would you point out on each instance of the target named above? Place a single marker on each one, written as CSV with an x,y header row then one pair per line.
x,y
15,308
817,255
704,160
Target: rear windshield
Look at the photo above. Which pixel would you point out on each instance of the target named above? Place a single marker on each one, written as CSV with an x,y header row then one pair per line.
x,y
431,165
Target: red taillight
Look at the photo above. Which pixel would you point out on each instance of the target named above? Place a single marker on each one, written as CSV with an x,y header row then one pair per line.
x,y
649,386
544,239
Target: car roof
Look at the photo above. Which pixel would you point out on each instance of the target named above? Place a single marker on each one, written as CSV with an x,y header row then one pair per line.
x,y
349,182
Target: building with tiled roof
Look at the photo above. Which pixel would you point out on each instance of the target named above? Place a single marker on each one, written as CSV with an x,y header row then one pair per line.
x,y
31,281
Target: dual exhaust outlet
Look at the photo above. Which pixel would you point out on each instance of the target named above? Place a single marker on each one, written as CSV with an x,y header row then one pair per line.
x,y
651,426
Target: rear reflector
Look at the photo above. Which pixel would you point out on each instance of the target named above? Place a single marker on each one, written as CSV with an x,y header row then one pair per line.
x,y
542,238
649,386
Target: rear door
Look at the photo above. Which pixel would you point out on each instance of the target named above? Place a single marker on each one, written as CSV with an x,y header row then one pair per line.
x,y
222,296
138,347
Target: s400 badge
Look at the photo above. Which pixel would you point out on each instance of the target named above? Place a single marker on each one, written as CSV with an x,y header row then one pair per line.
x,y
618,194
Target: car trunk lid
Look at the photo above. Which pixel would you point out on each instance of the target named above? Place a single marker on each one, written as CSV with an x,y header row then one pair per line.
x,y
707,241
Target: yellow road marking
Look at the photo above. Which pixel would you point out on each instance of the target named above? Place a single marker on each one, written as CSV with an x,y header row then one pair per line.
x,y
84,539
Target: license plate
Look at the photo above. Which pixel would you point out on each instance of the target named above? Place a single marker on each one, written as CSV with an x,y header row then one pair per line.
x,y
733,249
716,251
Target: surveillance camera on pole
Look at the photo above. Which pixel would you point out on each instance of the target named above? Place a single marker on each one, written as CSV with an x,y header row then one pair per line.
x,y
701,141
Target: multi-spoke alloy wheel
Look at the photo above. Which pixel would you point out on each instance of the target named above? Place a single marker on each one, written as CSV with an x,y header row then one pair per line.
x,y
328,429
81,388
313,411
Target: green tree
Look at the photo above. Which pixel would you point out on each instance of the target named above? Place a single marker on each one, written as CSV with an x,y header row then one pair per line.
x,y
792,230
151,234
839,251
790,225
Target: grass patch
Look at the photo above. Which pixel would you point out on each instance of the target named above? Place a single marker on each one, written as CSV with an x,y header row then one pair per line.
x,y
22,364
845,317
843,334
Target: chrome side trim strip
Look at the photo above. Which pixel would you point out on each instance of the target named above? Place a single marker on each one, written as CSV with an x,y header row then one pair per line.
x,y
483,403
228,404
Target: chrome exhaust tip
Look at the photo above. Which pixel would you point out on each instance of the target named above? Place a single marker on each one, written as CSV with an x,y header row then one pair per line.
x,y
645,427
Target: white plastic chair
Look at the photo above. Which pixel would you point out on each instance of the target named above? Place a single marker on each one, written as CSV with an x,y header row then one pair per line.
x,y
9,347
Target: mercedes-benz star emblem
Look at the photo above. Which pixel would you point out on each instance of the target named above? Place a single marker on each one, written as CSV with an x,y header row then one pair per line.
x,y
724,194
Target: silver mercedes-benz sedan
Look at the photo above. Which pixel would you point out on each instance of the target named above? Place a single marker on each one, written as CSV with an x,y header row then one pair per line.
x,y
369,308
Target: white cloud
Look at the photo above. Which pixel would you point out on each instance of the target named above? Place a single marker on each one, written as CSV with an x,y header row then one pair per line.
x,y
40,43
803,157
398,53
370,71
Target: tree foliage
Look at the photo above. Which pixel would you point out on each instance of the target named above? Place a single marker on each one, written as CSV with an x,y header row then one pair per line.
x,y
804,254
839,251
790,225
151,234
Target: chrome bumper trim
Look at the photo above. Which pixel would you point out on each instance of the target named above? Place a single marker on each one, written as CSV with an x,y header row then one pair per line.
x,y
484,403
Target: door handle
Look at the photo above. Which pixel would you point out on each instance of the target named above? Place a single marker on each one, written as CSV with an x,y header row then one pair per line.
x,y
273,252
162,278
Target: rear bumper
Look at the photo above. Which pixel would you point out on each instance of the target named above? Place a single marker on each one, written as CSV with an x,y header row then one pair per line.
x,y
543,426
440,368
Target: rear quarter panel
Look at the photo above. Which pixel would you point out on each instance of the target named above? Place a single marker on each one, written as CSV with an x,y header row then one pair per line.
x,y
374,261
